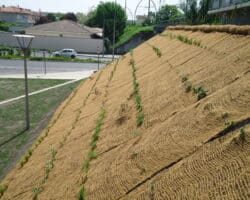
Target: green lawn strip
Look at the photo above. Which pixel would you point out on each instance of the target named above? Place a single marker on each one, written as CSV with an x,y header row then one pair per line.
x,y
12,122
56,59
14,87
130,32
95,136
138,99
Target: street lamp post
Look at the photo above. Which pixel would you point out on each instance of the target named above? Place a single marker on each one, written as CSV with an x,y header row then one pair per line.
x,y
24,42
113,53
44,61
98,57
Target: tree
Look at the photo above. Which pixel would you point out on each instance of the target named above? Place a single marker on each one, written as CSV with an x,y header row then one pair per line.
x,y
103,17
69,16
167,12
46,19
81,18
42,20
51,17
202,13
197,14
192,12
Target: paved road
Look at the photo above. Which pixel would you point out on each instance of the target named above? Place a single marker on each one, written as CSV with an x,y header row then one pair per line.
x,y
55,70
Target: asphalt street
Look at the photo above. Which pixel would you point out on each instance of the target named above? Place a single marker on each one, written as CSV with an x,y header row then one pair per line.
x,y
12,67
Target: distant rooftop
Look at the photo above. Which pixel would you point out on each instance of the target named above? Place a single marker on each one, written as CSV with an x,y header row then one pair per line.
x,y
17,10
64,28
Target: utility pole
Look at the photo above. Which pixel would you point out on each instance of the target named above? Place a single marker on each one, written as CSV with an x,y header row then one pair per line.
x,y
103,31
149,9
126,6
113,53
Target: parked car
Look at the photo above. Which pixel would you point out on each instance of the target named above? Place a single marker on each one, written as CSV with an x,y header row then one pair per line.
x,y
65,53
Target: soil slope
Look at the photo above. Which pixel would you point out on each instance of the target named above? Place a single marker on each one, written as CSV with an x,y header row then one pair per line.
x,y
170,126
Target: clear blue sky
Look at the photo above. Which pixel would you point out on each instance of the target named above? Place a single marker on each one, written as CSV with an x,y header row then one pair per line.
x,y
78,5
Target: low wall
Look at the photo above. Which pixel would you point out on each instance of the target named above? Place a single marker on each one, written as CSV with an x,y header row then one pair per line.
x,y
81,45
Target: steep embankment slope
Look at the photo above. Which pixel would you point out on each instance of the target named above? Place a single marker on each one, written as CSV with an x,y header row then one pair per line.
x,y
143,128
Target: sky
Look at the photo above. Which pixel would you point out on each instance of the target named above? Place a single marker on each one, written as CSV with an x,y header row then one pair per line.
x,y
80,5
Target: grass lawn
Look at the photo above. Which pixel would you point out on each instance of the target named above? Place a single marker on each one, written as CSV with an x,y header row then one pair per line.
x,y
12,119
11,87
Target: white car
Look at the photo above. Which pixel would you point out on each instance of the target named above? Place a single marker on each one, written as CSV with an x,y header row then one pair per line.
x,y
65,53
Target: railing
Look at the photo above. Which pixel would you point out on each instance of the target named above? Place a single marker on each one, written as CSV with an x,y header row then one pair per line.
x,y
217,4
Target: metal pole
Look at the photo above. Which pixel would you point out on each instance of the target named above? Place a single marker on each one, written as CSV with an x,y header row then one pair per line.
x,y
26,90
113,54
44,60
98,60
103,30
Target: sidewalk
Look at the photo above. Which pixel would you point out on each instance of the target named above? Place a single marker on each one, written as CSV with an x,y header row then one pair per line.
x,y
37,92
58,75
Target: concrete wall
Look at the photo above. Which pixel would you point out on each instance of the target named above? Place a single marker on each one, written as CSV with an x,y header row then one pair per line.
x,y
56,43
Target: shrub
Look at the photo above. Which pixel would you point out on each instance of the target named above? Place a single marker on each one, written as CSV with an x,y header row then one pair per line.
x,y
188,86
140,118
81,194
86,165
200,91
157,51
92,155
3,188
184,78
224,115
242,136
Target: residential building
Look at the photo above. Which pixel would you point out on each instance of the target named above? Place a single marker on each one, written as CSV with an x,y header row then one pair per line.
x,y
231,11
18,15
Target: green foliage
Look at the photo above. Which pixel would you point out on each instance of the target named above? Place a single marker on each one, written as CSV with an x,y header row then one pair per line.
x,y
230,124
92,155
140,118
69,16
36,191
131,31
81,18
138,100
153,186
200,91
50,164
51,17
197,13
3,188
242,136
81,193
157,51
86,165
224,115
168,12
184,78
104,16
189,41
188,86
